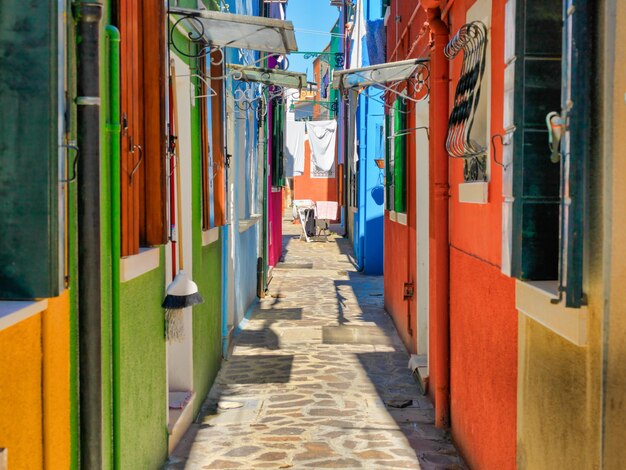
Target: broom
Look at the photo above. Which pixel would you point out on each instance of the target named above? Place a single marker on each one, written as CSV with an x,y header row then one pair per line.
x,y
182,292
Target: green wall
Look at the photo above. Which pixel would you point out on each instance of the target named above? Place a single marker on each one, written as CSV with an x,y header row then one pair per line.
x,y
207,273
207,323
143,424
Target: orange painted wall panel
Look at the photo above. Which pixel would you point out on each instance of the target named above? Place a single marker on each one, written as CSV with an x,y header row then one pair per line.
x,y
396,274
483,239
483,318
20,394
56,382
316,189
483,363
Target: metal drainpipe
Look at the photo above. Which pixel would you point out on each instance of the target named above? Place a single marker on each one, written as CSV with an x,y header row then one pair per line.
x,y
113,128
88,15
439,112
346,122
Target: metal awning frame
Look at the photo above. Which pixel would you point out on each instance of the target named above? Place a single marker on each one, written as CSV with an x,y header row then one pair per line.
x,y
245,73
414,80
194,18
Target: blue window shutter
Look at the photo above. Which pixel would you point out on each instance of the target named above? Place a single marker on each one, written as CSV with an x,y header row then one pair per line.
x,y
29,147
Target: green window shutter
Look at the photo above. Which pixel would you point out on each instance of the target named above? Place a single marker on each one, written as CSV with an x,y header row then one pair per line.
x,y
399,145
536,180
388,168
29,150
278,135
576,144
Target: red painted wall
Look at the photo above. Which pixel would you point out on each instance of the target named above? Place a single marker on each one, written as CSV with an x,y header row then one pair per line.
x,y
483,318
396,268
316,189
400,261
483,363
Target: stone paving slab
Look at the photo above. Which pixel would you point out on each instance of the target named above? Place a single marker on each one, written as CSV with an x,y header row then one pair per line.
x,y
315,379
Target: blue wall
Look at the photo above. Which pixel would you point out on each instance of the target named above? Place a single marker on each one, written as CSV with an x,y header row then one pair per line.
x,y
368,228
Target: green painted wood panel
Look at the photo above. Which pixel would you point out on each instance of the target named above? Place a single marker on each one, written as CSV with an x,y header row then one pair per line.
x,y
400,160
29,239
536,180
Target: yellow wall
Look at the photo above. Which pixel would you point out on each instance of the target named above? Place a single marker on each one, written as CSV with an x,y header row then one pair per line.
x,y
20,394
35,390
558,401
615,141
56,382
571,399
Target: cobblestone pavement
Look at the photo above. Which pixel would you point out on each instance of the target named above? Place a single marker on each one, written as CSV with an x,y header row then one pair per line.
x,y
317,379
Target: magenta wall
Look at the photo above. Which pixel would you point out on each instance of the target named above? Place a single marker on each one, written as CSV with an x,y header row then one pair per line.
x,y
274,202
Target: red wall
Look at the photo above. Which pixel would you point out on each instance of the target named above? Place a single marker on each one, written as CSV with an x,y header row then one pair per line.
x,y
316,189
483,368
400,261
399,265
483,318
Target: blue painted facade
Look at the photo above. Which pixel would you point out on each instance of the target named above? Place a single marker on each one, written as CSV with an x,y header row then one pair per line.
x,y
243,180
368,210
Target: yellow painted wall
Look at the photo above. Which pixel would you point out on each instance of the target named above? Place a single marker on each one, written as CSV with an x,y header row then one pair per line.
x,y
35,389
572,400
558,401
56,382
615,141
20,394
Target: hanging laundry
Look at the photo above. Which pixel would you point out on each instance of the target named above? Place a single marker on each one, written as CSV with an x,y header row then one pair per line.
x,y
325,83
294,148
376,40
322,136
358,36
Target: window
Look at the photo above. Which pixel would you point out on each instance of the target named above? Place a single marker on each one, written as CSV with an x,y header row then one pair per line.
x,y
395,133
143,201
218,170
547,199
278,132
32,204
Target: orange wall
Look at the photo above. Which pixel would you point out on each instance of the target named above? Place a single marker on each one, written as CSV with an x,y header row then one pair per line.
x,y
316,189
483,363
483,318
20,394
35,390
396,268
56,382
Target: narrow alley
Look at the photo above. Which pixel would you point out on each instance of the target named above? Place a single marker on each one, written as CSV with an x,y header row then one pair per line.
x,y
317,378
356,234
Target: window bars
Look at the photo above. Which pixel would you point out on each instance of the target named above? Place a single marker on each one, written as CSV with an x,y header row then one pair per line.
x,y
472,40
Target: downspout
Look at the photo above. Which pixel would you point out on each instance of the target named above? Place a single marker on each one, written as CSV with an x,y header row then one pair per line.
x,y
439,74
346,122
113,129
88,15
363,194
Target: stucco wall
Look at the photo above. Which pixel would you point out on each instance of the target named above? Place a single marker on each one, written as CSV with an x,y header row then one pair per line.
x,y
56,382
483,318
483,363
207,321
143,387
614,139
559,398
396,265
35,398
316,189
21,394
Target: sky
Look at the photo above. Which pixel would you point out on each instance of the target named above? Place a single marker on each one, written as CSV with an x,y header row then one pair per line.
x,y
311,15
